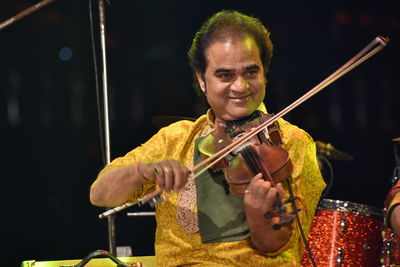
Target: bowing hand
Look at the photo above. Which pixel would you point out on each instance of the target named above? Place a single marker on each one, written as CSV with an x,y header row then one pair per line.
x,y
168,174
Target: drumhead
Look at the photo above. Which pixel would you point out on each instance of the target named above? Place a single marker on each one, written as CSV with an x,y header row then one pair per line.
x,y
347,206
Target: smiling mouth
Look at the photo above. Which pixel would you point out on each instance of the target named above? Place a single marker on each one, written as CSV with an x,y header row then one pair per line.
x,y
240,98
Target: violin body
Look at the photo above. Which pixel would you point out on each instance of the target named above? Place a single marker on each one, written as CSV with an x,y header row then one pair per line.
x,y
260,154
239,174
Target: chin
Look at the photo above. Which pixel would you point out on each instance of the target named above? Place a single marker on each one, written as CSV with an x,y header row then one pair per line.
x,y
238,115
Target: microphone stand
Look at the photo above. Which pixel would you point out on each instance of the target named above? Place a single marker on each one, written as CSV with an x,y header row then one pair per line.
x,y
24,13
102,19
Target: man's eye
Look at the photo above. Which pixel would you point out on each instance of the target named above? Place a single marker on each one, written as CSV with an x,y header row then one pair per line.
x,y
225,75
252,73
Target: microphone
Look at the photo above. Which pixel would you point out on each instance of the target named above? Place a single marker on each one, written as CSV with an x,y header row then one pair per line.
x,y
330,152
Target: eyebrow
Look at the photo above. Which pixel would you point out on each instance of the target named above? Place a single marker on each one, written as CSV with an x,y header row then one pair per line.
x,y
252,67
222,70
247,68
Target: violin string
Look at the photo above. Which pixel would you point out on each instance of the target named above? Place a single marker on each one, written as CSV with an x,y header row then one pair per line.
x,y
250,160
256,160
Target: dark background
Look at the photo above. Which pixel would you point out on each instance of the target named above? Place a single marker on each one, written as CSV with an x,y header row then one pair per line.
x,y
50,138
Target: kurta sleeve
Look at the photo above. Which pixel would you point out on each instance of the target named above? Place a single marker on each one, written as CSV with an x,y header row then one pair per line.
x,y
165,144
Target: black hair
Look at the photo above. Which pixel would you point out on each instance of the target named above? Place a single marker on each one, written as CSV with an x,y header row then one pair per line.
x,y
227,23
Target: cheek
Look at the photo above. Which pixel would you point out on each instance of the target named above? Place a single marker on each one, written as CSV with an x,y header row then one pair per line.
x,y
217,89
262,92
259,86
263,84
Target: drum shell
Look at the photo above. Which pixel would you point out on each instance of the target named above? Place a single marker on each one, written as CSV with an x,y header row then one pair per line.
x,y
344,233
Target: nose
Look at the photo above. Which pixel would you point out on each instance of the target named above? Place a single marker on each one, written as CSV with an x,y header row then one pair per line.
x,y
240,85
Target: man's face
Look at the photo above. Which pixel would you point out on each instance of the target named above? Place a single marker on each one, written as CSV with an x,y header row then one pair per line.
x,y
234,81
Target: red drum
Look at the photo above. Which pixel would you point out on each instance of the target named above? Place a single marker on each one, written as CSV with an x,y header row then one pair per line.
x,y
345,234
390,249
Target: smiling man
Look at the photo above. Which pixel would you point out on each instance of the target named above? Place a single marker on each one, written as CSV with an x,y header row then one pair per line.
x,y
234,81
202,222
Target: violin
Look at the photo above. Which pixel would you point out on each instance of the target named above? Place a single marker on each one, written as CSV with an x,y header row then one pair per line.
x,y
262,153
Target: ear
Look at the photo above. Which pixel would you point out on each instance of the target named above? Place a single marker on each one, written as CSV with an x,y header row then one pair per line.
x,y
266,69
200,80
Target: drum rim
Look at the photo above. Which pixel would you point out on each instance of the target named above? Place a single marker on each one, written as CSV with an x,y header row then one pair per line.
x,y
348,206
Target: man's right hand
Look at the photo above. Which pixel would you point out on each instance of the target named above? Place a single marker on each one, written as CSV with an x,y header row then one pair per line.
x,y
168,174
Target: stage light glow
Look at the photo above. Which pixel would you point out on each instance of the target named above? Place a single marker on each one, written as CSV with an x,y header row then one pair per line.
x,y
65,54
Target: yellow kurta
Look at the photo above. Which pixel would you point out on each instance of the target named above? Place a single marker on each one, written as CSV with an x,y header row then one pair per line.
x,y
175,247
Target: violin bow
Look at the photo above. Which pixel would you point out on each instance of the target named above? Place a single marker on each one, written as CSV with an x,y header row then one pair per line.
x,y
371,49
368,51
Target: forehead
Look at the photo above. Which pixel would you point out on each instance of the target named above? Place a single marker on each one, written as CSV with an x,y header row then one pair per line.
x,y
233,52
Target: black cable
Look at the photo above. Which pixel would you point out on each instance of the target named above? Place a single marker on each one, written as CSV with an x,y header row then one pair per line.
x,y
96,74
329,186
100,254
299,224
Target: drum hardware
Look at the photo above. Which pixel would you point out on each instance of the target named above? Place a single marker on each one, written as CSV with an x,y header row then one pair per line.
x,y
366,246
339,258
331,152
325,153
342,226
